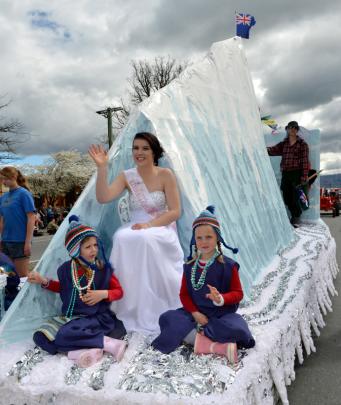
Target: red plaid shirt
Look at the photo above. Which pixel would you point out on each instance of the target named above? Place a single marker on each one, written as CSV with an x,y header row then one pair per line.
x,y
294,157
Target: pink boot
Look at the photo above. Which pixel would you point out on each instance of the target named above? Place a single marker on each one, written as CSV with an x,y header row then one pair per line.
x,y
85,357
204,345
115,347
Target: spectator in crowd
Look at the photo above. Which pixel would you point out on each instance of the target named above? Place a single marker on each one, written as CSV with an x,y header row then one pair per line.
x,y
17,219
52,226
50,213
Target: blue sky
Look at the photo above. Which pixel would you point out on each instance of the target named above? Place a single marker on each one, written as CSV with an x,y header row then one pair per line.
x,y
29,160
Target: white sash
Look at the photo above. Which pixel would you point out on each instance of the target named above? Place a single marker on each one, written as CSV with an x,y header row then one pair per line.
x,y
141,193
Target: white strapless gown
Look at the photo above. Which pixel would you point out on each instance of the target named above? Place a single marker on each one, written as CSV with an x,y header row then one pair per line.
x,y
148,264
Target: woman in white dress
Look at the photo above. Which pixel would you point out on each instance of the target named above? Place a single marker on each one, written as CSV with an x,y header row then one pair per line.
x,y
146,254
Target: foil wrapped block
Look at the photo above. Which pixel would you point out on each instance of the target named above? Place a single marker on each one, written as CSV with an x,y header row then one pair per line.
x,y
73,375
181,372
24,366
96,380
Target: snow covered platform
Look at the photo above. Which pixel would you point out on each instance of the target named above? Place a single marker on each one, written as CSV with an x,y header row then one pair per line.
x,y
286,307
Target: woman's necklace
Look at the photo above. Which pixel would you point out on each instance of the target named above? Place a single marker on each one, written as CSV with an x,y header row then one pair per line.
x,y
199,284
76,280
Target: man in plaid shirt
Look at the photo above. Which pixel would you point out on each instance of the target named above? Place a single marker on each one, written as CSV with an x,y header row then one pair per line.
x,y
294,166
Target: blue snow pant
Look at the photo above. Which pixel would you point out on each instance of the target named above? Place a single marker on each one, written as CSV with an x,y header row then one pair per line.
x,y
176,324
81,333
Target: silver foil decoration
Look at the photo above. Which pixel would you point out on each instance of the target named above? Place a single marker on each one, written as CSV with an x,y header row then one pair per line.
x,y
256,290
181,372
24,366
186,374
284,272
73,375
96,380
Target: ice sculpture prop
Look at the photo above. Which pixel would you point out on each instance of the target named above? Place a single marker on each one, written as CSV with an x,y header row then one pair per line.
x,y
208,121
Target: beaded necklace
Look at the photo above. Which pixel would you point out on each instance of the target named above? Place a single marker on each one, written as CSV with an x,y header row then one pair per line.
x,y
71,306
76,280
199,284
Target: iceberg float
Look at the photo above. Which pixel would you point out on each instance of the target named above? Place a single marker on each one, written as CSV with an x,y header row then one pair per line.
x,y
208,122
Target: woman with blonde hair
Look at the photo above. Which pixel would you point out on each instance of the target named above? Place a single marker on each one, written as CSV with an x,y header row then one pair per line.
x,y
17,218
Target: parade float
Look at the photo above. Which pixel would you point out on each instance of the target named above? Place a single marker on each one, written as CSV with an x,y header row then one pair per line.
x,y
209,123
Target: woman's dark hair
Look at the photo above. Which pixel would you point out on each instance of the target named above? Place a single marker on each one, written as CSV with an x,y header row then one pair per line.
x,y
154,144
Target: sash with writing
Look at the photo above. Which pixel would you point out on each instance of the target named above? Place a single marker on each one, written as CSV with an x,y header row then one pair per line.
x,y
141,193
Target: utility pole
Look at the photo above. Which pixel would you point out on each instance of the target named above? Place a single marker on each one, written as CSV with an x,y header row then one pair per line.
x,y
107,113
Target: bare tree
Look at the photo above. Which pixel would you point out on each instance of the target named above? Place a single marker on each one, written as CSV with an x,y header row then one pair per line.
x,y
120,117
10,129
146,78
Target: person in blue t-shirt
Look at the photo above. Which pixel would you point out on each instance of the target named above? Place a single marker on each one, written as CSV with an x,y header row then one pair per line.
x,y
17,218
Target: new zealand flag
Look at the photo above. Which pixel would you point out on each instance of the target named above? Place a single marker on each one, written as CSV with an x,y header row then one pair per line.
x,y
244,22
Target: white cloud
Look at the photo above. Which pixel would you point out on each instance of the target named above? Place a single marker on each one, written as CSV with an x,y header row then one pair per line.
x,y
331,163
65,60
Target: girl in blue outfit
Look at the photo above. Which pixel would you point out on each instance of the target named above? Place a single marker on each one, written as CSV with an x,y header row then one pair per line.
x,y
210,294
17,219
86,287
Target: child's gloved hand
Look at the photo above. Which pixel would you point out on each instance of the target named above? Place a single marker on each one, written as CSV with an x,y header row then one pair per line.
x,y
214,295
92,297
200,318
